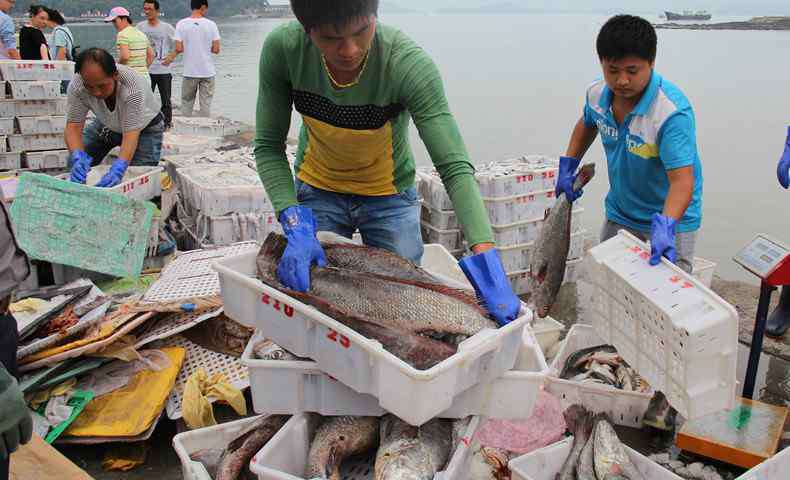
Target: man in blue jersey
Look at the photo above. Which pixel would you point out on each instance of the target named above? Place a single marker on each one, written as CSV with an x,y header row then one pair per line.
x,y
779,320
648,131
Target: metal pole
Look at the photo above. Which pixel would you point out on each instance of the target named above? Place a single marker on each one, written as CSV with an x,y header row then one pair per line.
x,y
757,339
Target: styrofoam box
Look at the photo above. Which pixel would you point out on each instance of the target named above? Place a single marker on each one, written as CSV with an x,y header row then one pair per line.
x,y
623,407
676,332
526,179
439,219
519,280
47,160
414,395
7,126
29,70
450,239
285,456
32,108
37,90
209,438
139,183
10,161
704,270
507,210
518,257
546,463
528,231
23,143
219,191
38,125
292,387
173,144
238,227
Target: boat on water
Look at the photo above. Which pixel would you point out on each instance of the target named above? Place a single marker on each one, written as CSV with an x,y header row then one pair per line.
x,y
688,15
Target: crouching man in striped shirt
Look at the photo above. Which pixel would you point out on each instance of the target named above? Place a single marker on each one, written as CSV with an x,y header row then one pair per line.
x,y
127,115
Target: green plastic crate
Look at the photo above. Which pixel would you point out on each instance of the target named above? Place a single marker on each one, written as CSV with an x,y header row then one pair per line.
x,y
85,227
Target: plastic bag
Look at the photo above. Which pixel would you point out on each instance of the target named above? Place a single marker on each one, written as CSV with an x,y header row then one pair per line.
x,y
116,375
195,406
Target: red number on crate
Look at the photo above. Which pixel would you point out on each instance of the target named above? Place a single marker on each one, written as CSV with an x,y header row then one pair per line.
x,y
644,255
287,309
265,298
688,285
675,279
551,174
338,338
635,249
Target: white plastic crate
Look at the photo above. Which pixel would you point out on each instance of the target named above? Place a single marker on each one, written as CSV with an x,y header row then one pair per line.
x,y
439,219
7,126
547,331
519,280
546,463
216,437
623,407
38,90
441,261
675,331
29,70
450,239
285,456
238,227
522,176
772,469
10,161
32,108
363,364
47,160
220,191
509,210
528,231
518,257
174,144
208,127
704,270
292,387
139,183
23,143
39,125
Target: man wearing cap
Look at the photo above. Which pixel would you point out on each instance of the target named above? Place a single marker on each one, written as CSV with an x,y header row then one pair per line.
x,y
134,50
127,115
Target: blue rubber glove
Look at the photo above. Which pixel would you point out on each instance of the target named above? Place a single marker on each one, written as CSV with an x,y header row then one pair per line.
x,y
783,169
487,275
566,177
114,175
662,240
80,163
302,251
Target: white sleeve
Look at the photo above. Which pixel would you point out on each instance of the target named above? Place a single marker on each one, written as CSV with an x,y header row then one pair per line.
x,y
177,36
216,33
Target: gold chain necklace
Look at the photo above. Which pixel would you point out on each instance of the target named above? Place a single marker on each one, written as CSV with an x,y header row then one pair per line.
x,y
346,85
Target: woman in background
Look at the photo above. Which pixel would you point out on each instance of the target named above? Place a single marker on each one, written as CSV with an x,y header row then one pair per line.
x,y
32,44
62,38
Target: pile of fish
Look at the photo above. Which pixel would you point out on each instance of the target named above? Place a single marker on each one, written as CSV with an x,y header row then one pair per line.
x,y
232,463
384,297
603,365
597,453
402,451
691,471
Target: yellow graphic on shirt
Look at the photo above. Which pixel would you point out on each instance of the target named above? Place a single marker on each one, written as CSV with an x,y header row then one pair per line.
x,y
348,161
645,150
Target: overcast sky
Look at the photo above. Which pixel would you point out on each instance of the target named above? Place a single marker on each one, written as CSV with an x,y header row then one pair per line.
x,y
741,7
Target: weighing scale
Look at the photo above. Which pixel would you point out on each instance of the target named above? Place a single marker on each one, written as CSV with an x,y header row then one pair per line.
x,y
750,433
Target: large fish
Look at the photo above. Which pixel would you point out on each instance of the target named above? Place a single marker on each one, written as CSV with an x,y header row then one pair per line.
x,y
337,439
579,422
387,301
611,460
239,452
585,470
377,261
412,453
547,265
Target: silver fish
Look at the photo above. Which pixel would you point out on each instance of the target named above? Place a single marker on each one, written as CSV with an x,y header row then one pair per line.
x,y
547,265
267,350
412,453
585,470
579,422
611,460
337,439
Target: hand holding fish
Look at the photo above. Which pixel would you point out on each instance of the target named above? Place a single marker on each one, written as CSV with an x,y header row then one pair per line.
x,y
303,248
487,275
566,178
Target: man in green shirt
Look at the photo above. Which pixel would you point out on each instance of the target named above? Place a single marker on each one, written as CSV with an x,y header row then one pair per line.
x,y
356,84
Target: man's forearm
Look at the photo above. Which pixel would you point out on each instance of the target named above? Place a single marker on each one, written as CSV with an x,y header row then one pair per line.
x,y
681,191
74,136
581,140
129,145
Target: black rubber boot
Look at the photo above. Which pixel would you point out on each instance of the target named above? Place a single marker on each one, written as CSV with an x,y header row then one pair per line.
x,y
779,320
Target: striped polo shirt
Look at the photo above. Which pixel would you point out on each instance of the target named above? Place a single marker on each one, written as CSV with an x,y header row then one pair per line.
x,y
137,43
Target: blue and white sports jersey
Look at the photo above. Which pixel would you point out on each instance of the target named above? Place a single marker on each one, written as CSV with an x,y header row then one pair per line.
x,y
657,136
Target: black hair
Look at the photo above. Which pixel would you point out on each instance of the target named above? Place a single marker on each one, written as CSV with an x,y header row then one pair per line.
x,y
627,35
55,16
339,13
100,57
196,4
36,9
155,2
127,17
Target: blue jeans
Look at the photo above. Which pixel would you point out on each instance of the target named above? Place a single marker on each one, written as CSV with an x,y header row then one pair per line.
x,y
99,140
391,222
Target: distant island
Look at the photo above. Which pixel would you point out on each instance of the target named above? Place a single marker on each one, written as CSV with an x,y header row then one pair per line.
x,y
496,8
756,23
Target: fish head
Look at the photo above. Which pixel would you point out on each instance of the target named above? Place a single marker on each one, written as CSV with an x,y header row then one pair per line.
x,y
403,462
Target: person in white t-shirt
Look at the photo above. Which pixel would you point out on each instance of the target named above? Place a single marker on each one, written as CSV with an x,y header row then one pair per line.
x,y
197,38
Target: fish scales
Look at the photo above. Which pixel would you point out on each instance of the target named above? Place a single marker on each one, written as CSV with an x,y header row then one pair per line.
x,y
241,450
547,265
337,439
412,453
579,422
611,460
373,260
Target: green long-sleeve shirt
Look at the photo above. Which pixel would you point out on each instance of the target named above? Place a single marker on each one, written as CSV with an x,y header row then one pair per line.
x,y
355,140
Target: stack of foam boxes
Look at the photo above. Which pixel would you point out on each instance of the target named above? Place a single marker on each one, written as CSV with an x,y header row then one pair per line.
x,y
33,115
517,194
